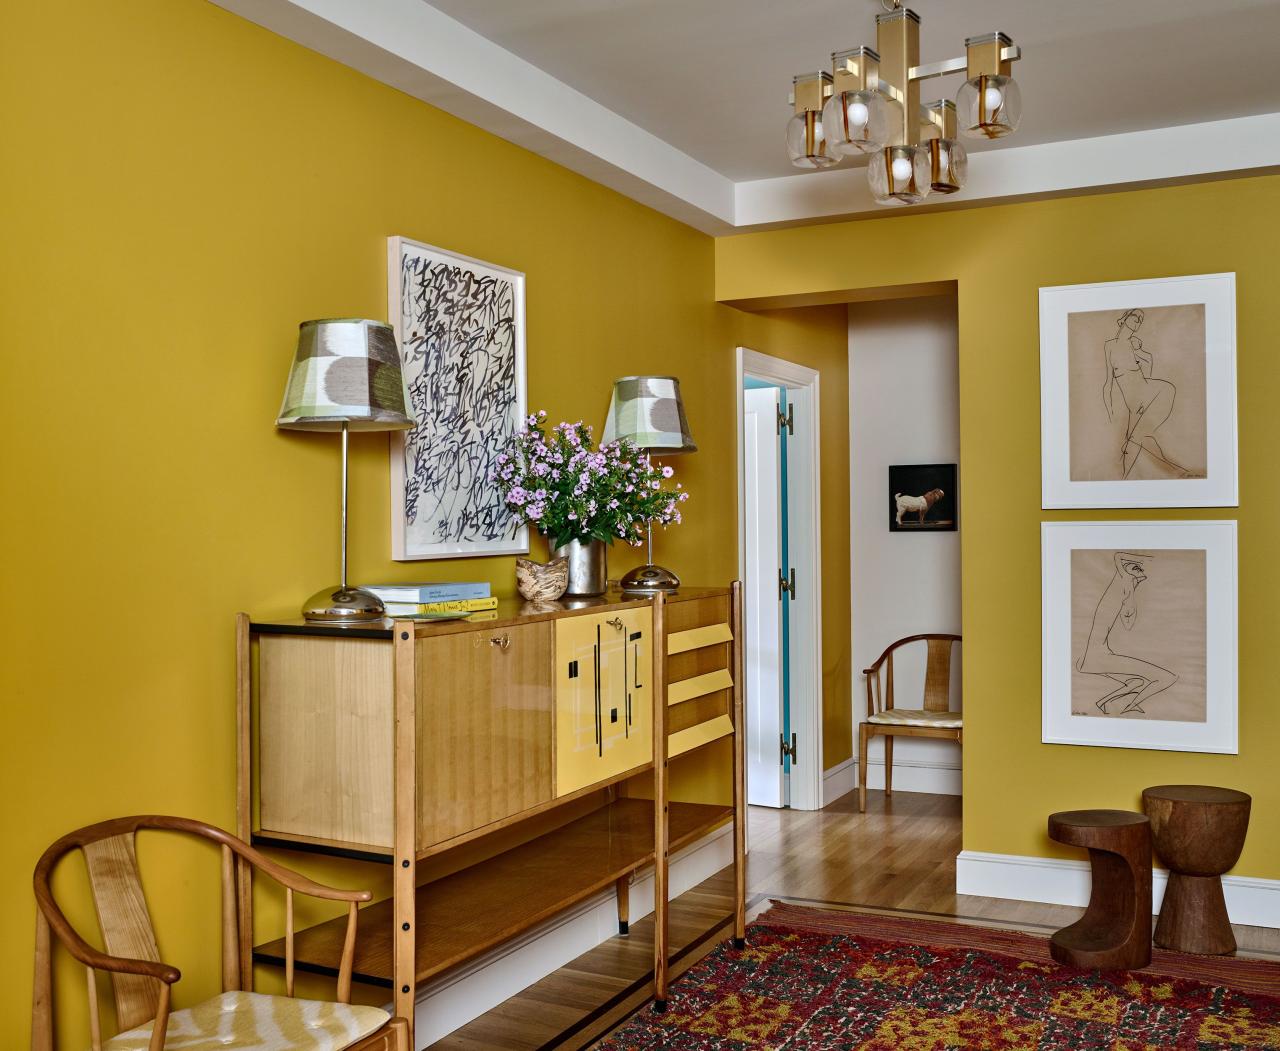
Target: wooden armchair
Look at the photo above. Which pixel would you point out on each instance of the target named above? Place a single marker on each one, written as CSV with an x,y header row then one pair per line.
x,y
142,983
935,719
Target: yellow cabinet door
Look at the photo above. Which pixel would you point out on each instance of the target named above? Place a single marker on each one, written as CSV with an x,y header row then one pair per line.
x,y
603,720
627,712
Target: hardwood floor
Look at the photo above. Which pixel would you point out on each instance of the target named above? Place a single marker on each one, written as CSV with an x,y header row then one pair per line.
x,y
899,856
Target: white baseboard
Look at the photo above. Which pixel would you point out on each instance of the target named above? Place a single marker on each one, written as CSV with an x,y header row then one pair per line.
x,y
454,1000
839,781
915,775
1059,881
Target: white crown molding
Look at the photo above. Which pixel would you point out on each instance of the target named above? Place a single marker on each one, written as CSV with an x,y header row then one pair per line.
x,y
416,48
1223,148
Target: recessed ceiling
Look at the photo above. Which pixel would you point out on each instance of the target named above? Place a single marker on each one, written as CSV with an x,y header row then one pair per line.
x,y
711,77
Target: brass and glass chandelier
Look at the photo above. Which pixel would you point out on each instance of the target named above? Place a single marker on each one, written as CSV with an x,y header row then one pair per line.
x,y
870,104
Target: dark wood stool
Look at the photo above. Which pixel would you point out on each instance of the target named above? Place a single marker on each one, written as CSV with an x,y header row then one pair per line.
x,y
1198,832
1115,931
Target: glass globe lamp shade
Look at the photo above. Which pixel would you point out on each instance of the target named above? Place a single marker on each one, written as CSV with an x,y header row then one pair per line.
x,y
856,122
900,175
948,165
806,145
988,107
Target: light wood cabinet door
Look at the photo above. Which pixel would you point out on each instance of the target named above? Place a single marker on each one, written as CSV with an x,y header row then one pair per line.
x,y
604,724
484,728
325,725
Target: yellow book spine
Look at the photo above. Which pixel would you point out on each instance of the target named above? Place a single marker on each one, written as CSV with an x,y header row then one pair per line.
x,y
466,605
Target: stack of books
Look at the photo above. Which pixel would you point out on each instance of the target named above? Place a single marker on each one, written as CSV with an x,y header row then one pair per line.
x,y
426,600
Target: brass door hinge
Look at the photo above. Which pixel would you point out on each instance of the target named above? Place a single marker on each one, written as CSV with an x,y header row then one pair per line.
x,y
785,586
787,751
787,420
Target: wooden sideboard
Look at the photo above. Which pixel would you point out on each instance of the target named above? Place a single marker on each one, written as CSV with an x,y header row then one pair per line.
x,y
403,740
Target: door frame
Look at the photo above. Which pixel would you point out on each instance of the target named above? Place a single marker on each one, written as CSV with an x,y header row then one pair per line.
x,y
805,530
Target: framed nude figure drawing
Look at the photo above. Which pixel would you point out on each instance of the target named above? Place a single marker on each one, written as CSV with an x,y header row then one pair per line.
x,y
1138,393
1139,624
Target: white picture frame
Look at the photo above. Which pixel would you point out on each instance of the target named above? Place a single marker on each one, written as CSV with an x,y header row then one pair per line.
x,y
1211,478
442,503
1063,657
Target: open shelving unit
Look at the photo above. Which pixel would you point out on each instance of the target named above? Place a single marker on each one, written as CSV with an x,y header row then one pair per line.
x,y
469,912
430,926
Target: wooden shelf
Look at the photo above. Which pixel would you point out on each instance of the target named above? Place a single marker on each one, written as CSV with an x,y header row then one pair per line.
x,y
469,912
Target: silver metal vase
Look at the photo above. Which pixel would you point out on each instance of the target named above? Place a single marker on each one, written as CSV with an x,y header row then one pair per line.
x,y
588,566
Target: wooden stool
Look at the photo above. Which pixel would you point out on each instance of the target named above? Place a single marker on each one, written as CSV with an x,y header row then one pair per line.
x,y
1115,931
1198,832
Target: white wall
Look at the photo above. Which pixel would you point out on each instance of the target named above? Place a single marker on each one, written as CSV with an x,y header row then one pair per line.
x,y
903,409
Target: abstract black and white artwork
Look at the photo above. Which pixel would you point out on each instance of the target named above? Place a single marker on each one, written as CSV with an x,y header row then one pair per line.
x,y
460,326
1138,393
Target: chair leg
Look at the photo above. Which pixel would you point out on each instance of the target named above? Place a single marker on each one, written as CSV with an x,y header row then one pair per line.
x,y
863,729
888,765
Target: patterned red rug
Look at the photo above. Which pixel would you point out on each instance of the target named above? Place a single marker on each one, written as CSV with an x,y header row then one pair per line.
x,y
834,981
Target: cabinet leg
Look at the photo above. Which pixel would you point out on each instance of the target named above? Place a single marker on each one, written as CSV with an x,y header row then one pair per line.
x,y
623,891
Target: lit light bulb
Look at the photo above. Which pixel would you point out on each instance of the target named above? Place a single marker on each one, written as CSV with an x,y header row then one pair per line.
x,y
992,98
901,170
859,113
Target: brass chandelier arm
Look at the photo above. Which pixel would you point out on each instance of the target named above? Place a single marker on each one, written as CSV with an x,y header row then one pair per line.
x,y
888,90
958,65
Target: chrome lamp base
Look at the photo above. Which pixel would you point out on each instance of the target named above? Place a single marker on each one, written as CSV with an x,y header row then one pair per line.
x,y
648,580
343,605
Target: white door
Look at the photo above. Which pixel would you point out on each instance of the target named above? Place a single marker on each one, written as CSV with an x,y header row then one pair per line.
x,y
763,613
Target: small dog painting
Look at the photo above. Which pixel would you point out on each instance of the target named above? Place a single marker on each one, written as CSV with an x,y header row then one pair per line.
x,y
922,497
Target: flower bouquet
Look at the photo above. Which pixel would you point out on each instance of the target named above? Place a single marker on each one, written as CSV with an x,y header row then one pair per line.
x,y
571,491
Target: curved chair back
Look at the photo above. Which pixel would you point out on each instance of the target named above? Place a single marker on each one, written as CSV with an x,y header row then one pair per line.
x,y
937,676
141,982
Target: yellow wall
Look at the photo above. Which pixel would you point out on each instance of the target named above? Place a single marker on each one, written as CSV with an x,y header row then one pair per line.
x,y
180,189
999,257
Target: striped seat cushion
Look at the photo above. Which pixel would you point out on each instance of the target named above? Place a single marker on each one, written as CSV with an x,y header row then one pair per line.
x,y
255,1022
916,717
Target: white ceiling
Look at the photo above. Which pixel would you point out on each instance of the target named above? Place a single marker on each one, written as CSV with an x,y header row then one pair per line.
x,y
680,104
711,77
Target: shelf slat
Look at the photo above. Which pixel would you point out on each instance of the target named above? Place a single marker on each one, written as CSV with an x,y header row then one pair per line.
x,y
696,736
696,638
469,912
698,686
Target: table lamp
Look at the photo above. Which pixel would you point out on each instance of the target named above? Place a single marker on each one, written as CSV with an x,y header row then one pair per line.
x,y
346,376
648,410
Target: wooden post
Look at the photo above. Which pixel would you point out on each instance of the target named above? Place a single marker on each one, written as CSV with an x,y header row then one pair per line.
x,y
739,777
660,859
42,989
404,905
622,890
244,797
230,924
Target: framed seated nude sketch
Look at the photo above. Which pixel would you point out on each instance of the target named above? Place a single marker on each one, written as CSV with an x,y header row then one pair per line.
x,y
1138,393
1139,626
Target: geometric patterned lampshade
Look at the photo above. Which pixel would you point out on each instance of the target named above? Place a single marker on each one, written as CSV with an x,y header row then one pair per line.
x,y
649,411
347,370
